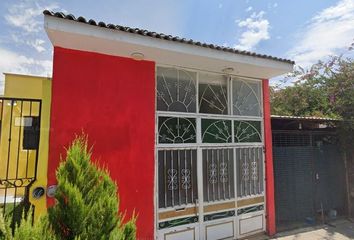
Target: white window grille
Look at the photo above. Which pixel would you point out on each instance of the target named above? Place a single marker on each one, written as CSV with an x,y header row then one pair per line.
x,y
249,163
178,177
218,174
210,122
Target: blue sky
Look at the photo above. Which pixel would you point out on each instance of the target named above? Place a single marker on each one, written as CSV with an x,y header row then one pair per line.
x,y
302,30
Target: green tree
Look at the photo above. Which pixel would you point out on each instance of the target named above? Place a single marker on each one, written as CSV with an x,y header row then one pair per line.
x,y
301,100
86,199
324,90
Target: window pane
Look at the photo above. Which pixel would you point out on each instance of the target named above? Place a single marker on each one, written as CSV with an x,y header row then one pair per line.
x,y
250,171
177,177
247,131
216,131
218,174
31,132
176,90
246,97
213,94
177,130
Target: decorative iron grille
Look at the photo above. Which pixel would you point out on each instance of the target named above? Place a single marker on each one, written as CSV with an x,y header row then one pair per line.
x,y
250,171
218,174
178,177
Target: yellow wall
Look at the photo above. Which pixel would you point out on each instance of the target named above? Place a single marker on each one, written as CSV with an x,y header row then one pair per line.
x,y
21,86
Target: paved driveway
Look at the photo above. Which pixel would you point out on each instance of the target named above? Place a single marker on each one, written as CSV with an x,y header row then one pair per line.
x,y
338,230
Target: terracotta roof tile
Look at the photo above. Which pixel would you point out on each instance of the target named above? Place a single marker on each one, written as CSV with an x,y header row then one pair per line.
x,y
161,36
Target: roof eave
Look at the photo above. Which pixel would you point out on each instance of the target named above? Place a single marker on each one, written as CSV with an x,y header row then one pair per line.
x,y
86,37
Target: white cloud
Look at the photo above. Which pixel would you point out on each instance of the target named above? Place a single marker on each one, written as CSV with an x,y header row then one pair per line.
x,y
257,29
272,6
25,26
12,62
37,44
250,8
329,32
26,23
25,15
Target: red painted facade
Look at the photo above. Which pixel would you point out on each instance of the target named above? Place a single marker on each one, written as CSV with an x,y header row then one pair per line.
x,y
112,99
270,203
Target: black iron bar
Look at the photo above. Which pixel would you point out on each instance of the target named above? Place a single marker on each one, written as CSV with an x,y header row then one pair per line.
x,y
192,174
39,139
165,176
186,176
4,209
14,207
9,146
19,142
179,174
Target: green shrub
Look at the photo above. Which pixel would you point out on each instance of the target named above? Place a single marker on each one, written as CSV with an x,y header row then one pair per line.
x,y
86,205
86,199
25,230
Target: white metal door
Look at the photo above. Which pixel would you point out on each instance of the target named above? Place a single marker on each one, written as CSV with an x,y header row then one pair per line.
x,y
210,180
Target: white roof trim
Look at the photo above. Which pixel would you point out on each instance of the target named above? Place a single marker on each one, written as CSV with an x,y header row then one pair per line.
x,y
80,36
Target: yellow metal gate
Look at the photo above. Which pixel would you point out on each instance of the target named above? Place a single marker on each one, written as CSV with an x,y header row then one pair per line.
x,y
19,144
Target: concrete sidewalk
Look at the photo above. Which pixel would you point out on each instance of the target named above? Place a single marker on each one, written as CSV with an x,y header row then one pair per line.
x,y
337,230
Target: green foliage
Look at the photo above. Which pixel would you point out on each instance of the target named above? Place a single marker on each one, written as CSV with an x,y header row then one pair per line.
x,y
301,100
25,230
86,199
5,229
324,90
86,205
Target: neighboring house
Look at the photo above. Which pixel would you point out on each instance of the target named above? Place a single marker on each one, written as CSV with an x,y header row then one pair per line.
x,y
24,108
183,127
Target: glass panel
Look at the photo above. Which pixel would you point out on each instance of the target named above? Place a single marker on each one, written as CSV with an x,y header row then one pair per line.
x,y
218,174
213,94
246,97
177,130
177,177
31,130
216,131
247,131
250,171
176,90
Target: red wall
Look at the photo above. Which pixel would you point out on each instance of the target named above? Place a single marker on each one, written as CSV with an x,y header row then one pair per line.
x,y
112,100
270,203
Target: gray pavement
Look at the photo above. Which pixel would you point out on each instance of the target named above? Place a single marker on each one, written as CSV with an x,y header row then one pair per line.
x,y
338,230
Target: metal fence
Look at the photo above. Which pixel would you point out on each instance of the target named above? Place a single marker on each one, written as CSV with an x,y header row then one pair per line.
x,y
19,143
309,177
